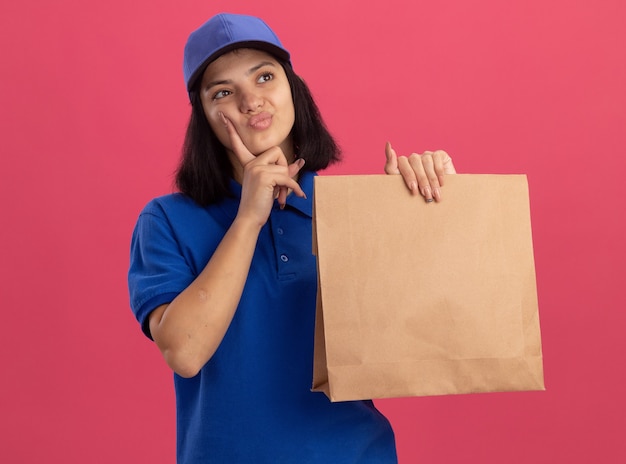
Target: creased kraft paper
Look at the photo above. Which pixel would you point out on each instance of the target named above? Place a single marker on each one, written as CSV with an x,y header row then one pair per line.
x,y
419,298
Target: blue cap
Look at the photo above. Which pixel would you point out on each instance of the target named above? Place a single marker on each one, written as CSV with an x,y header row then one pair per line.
x,y
223,33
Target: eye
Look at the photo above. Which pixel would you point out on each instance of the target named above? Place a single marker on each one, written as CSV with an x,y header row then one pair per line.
x,y
265,77
221,94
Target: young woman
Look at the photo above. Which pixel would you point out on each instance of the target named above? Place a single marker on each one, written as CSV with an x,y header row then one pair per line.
x,y
222,276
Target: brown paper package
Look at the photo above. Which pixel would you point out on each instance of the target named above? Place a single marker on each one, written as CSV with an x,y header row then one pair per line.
x,y
417,298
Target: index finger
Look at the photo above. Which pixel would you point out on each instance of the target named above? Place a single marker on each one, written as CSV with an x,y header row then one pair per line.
x,y
239,149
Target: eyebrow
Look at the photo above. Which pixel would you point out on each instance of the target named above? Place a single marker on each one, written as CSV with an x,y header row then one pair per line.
x,y
252,70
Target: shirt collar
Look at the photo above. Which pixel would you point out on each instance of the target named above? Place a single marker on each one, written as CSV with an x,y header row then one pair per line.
x,y
304,205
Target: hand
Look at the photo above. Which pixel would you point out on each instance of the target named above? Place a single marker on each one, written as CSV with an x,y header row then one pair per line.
x,y
266,177
422,173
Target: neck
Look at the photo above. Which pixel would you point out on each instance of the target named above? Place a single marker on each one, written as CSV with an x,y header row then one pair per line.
x,y
286,147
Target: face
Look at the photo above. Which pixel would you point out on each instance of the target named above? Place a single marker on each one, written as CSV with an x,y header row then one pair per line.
x,y
251,89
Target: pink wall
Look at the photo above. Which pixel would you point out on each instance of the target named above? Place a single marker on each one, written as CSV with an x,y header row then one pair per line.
x,y
92,112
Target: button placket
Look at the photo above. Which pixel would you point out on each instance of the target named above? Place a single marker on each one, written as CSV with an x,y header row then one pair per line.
x,y
283,257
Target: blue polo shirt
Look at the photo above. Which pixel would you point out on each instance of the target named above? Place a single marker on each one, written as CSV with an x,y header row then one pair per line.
x,y
251,403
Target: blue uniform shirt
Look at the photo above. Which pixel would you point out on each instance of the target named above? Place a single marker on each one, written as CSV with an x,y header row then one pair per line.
x,y
251,403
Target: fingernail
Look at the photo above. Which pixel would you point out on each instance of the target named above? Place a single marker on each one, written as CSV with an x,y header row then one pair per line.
x,y
437,193
429,200
413,186
300,162
426,193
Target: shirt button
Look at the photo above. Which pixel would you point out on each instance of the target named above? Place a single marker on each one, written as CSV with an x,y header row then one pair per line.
x,y
280,231
284,258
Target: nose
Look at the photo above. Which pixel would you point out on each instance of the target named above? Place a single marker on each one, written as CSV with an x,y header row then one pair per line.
x,y
250,101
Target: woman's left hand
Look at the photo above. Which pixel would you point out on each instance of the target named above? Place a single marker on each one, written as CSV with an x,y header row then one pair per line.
x,y
423,173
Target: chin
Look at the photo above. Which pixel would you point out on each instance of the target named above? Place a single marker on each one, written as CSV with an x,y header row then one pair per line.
x,y
261,146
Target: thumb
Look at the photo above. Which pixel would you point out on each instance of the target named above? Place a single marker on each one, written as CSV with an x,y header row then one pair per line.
x,y
295,167
282,191
391,165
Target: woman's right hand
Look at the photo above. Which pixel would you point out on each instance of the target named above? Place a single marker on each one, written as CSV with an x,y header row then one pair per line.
x,y
189,330
266,177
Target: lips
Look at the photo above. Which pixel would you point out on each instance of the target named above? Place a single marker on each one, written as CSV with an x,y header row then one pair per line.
x,y
260,121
